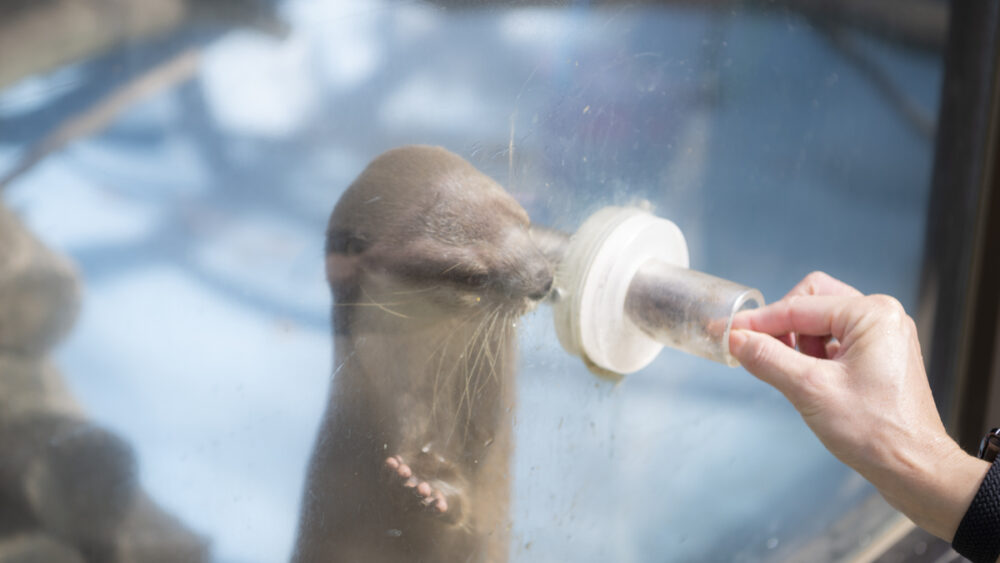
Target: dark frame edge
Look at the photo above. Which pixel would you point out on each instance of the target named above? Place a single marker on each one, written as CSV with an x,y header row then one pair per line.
x,y
957,311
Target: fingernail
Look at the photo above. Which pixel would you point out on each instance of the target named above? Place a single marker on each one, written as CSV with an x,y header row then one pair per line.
x,y
737,339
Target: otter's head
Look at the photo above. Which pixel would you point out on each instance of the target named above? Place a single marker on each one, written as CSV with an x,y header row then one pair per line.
x,y
422,220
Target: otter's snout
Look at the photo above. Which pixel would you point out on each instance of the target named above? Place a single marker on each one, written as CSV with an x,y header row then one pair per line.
x,y
535,272
537,282
543,291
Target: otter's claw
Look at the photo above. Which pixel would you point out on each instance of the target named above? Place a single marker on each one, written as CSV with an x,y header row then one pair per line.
x,y
427,496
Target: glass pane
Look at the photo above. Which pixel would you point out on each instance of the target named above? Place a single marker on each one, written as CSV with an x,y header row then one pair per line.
x,y
186,158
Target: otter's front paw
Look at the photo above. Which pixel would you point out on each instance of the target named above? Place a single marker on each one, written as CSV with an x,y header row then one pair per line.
x,y
430,495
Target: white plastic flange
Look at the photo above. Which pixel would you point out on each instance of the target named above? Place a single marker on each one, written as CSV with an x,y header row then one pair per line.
x,y
593,280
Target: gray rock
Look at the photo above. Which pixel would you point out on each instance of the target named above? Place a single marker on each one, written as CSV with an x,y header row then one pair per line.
x,y
39,293
36,548
71,482
76,480
151,535
33,386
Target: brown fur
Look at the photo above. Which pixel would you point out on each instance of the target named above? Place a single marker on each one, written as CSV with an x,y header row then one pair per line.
x,y
430,264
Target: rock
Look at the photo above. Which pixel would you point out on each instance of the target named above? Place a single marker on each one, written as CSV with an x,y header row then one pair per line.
x,y
150,535
74,478
32,386
36,548
39,293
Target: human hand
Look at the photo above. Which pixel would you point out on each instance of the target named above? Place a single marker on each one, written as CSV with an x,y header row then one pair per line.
x,y
858,381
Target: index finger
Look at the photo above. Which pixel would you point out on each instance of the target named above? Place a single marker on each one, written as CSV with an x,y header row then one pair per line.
x,y
813,315
821,283
816,283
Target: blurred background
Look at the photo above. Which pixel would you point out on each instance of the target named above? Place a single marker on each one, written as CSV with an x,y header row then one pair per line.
x,y
185,155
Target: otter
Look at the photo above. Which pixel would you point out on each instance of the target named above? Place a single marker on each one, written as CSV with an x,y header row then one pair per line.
x,y
430,263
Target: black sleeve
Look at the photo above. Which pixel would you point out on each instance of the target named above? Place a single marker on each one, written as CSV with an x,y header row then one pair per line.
x,y
978,535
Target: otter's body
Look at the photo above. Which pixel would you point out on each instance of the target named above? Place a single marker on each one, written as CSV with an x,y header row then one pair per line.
x,y
430,264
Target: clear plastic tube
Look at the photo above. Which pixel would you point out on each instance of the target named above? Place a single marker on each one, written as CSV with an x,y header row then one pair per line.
x,y
687,309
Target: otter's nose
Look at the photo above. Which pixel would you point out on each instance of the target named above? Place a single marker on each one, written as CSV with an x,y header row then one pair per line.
x,y
544,289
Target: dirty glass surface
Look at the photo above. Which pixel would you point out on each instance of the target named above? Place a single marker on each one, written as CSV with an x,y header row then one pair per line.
x,y
185,157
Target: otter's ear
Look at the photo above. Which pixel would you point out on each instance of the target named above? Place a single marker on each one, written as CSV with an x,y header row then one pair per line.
x,y
345,242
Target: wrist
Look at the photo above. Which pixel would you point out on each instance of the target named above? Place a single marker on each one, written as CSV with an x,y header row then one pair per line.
x,y
936,495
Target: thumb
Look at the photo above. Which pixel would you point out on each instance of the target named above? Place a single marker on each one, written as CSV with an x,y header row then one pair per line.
x,y
770,360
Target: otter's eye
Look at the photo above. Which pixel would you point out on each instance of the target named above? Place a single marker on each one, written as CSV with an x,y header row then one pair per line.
x,y
343,242
477,280
467,277
356,246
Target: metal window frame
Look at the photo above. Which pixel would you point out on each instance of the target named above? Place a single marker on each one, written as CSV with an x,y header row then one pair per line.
x,y
960,285
959,310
